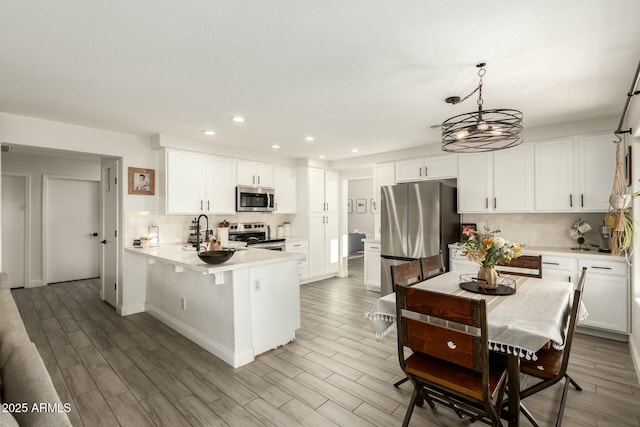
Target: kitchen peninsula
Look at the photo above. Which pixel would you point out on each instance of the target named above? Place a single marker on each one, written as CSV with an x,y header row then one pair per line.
x,y
236,310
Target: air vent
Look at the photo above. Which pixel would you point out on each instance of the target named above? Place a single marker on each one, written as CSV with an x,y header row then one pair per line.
x,y
6,148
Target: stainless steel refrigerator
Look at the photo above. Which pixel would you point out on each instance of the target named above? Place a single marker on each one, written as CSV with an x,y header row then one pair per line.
x,y
418,219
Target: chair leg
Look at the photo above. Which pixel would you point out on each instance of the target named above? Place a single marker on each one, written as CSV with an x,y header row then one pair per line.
x,y
412,402
402,381
575,384
563,400
528,415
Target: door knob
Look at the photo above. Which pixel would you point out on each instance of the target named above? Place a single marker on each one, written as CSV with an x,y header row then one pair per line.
x,y
104,242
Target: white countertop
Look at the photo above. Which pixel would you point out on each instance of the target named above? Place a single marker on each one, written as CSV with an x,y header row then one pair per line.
x,y
295,239
568,252
369,240
174,254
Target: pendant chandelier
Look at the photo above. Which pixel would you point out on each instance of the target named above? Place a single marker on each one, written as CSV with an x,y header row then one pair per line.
x,y
482,130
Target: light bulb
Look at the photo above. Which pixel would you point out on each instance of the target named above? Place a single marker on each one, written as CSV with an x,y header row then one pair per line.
x,y
462,134
483,126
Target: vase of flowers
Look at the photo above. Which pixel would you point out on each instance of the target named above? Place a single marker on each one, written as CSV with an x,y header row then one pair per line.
x,y
488,251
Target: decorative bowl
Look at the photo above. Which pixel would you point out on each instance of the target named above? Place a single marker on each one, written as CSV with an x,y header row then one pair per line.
x,y
216,257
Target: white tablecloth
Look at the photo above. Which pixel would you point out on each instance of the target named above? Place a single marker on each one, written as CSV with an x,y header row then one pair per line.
x,y
519,324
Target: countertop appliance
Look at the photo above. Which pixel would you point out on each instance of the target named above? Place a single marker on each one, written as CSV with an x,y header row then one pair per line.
x,y
255,234
418,219
605,239
254,199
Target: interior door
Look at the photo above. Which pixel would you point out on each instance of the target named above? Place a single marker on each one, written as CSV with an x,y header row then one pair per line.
x,y
110,234
14,230
71,226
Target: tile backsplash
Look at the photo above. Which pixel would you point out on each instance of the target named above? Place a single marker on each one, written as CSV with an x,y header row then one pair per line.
x,y
174,229
539,229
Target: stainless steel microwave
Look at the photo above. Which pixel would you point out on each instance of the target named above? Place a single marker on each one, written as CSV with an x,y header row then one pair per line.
x,y
254,199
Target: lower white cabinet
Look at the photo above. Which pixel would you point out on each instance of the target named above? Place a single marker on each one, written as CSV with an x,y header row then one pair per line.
x,y
323,244
560,268
372,266
301,248
606,295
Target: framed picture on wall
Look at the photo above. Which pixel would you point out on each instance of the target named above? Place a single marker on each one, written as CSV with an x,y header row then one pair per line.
x,y
142,181
349,205
467,230
361,205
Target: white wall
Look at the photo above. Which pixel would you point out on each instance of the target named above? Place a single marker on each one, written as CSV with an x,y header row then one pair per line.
x,y
633,121
36,167
361,222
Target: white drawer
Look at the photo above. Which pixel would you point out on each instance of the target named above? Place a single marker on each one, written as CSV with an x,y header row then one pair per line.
x,y
604,267
372,247
296,246
456,253
559,263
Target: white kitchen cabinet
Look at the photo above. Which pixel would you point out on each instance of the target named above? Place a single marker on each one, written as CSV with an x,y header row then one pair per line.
x,y
475,174
372,266
459,262
255,174
302,249
426,168
322,190
501,181
606,295
574,174
323,244
384,174
560,268
198,183
285,190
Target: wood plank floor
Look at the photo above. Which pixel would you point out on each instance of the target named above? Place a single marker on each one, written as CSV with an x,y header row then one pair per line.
x,y
135,371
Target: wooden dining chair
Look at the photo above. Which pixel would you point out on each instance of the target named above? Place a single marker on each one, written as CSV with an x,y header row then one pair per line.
x,y
528,262
406,273
448,365
551,365
431,266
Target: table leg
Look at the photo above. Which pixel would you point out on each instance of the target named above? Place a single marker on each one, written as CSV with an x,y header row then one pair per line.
x,y
513,381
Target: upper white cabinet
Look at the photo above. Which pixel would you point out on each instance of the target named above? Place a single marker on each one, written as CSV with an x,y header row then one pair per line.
x,y
255,174
426,168
198,183
285,189
501,181
574,174
384,174
322,188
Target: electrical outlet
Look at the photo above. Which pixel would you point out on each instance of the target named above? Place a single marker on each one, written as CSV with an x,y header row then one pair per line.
x,y
184,303
256,284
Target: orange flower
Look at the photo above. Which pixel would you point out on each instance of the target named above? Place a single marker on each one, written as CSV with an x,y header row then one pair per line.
x,y
516,247
484,251
488,241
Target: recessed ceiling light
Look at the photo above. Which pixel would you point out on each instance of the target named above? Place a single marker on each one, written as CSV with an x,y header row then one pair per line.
x,y
309,139
238,119
208,132
276,146
321,156
355,150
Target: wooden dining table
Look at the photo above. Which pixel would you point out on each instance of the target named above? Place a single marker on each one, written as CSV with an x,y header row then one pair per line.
x,y
519,324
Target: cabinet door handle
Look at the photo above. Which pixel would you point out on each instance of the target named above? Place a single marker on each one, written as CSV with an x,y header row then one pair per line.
x,y
374,206
327,208
208,206
486,203
420,171
569,279
495,202
600,268
582,200
253,179
258,179
426,171
375,247
551,263
570,200
297,246
201,205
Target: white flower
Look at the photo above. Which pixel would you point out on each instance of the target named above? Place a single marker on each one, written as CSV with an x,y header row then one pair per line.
x,y
499,242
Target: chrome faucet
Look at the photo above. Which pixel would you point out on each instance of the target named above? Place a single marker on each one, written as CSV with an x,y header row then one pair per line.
x,y
206,233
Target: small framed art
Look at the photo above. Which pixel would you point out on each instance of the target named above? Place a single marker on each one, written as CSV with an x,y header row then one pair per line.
x,y
142,181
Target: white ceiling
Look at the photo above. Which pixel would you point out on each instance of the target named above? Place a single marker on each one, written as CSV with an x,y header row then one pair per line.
x,y
366,74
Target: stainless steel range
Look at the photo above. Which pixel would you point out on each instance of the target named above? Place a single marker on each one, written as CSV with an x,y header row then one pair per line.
x,y
256,235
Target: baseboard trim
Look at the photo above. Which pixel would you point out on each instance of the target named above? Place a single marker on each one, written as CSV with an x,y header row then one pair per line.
x,y
36,283
127,310
635,355
235,359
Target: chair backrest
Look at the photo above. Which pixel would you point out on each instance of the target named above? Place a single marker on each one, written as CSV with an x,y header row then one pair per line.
x,y
573,319
407,273
455,329
431,266
528,262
